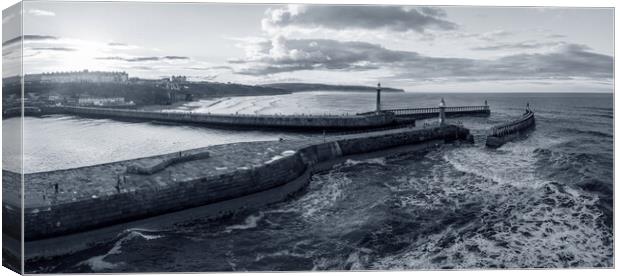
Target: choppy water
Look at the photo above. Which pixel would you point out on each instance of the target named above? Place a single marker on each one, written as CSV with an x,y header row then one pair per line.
x,y
545,201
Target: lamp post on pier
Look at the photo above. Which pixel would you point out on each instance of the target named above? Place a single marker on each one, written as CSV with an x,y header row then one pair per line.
x,y
378,98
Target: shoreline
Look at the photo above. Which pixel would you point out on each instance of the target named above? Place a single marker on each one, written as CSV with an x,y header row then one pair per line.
x,y
220,98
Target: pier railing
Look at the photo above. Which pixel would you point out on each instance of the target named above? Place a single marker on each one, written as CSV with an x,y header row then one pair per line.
x,y
524,122
435,110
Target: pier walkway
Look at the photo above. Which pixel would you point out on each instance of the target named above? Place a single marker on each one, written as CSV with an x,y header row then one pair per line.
x,y
433,112
282,122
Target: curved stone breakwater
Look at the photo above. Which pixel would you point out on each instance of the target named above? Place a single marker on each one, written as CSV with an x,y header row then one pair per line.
x,y
504,133
240,176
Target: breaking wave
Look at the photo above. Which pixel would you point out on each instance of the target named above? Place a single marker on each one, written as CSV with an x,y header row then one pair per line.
x,y
99,263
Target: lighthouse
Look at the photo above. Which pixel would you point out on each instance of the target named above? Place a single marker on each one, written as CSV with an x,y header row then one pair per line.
x,y
378,97
442,112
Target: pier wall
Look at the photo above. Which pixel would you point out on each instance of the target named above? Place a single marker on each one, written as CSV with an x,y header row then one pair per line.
x,y
504,133
240,120
83,215
113,208
11,201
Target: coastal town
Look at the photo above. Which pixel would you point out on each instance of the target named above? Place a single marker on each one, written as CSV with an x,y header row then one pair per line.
x,y
118,89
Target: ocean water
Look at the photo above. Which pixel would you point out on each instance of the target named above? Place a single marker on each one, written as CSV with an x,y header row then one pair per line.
x,y
542,201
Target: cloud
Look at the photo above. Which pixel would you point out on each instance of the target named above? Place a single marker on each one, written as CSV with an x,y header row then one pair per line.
x,y
518,46
134,59
117,44
209,68
143,68
394,18
492,35
556,36
37,12
570,61
283,55
141,59
61,49
28,38
175,58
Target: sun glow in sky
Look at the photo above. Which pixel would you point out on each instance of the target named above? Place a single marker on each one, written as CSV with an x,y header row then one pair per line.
x,y
448,49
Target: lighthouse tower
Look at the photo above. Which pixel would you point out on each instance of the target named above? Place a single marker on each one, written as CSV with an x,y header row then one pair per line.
x,y
378,97
442,112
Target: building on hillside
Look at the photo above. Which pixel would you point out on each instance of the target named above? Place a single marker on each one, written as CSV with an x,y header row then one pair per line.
x,y
84,76
178,79
172,83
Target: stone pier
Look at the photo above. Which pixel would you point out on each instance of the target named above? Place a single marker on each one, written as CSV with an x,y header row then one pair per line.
x,y
501,134
71,201
280,122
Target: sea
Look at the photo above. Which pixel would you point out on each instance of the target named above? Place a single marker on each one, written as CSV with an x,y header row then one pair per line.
x,y
544,200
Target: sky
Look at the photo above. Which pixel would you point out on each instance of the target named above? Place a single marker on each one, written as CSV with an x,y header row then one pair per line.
x,y
418,48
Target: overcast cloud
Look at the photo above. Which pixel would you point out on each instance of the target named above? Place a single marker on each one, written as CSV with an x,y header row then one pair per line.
x,y
393,18
283,55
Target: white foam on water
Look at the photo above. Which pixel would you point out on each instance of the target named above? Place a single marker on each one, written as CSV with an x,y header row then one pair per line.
x,y
277,157
281,253
356,261
231,260
325,191
249,223
98,263
514,163
522,219
550,226
377,161
288,153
